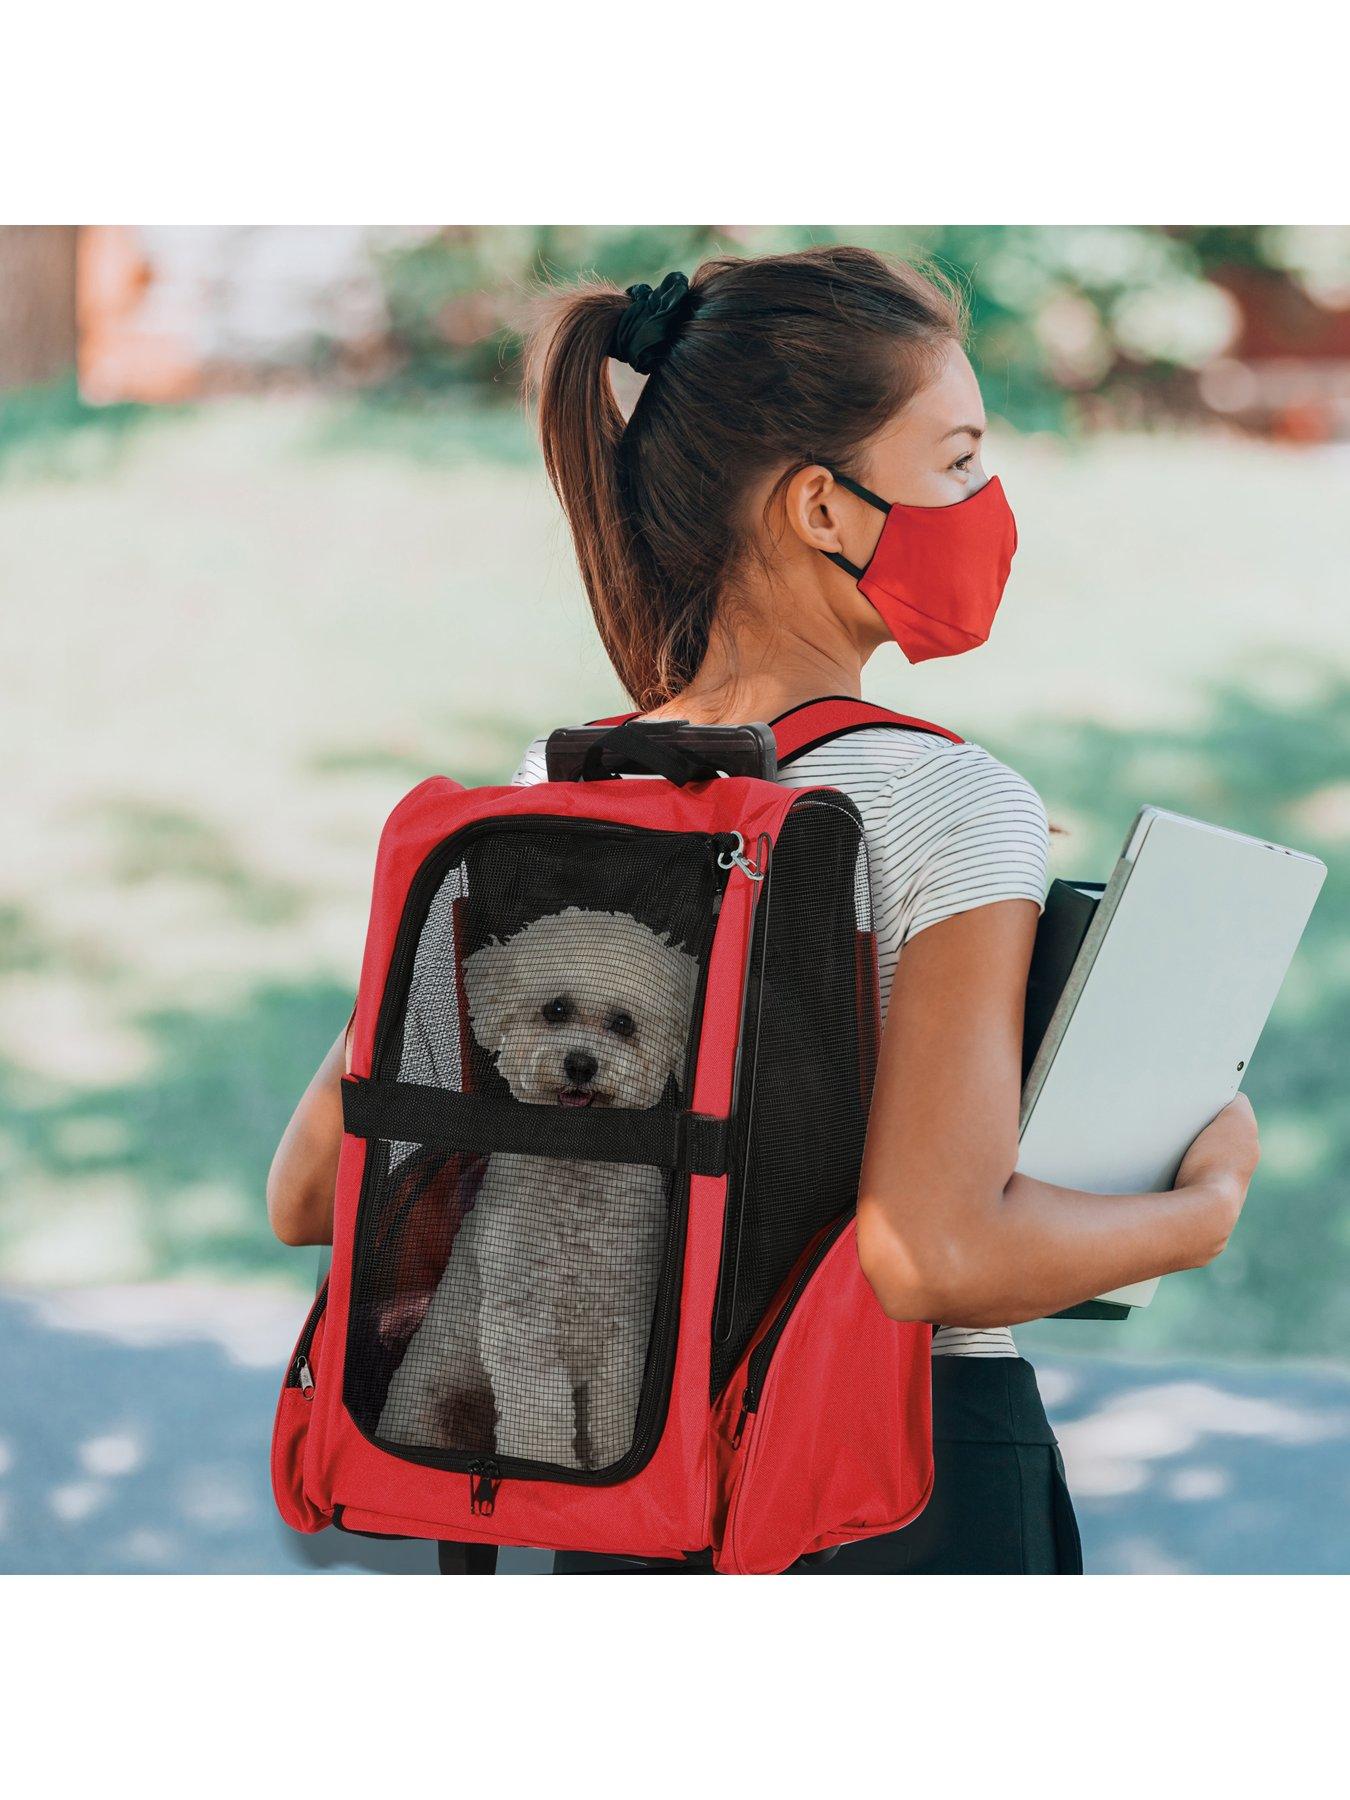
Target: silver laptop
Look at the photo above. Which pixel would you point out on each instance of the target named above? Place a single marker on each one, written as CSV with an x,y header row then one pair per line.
x,y
1163,1006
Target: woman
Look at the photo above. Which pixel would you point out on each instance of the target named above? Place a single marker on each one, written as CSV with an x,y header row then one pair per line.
x,y
722,528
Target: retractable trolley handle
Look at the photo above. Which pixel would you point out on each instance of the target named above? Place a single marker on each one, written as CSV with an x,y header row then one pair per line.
x,y
673,748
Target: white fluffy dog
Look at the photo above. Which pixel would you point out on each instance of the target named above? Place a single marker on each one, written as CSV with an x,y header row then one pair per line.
x,y
546,1303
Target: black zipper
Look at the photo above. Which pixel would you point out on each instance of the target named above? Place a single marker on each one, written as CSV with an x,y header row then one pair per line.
x,y
300,1375
486,1474
758,1367
484,1480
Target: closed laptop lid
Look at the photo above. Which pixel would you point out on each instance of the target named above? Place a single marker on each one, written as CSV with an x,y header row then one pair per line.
x,y
1164,1006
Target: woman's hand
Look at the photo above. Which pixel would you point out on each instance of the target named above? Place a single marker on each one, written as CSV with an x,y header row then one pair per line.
x,y
1221,1162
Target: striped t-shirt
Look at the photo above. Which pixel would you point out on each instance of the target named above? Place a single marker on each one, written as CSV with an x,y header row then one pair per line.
x,y
948,828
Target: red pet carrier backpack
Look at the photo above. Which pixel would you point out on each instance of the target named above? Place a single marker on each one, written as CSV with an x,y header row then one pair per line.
x,y
595,1283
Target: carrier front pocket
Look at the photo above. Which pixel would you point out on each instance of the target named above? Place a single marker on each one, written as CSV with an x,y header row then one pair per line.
x,y
290,1431
813,1433
521,1227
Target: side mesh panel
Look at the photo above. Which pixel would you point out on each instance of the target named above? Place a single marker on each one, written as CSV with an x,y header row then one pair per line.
x,y
508,1305
810,1022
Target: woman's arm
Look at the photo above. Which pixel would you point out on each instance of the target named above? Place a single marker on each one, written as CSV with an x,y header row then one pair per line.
x,y
946,1230
303,1176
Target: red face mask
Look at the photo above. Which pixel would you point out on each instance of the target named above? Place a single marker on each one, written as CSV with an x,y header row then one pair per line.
x,y
938,572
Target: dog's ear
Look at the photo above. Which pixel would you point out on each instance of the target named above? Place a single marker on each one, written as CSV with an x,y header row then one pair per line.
x,y
680,959
688,981
488,988
679,987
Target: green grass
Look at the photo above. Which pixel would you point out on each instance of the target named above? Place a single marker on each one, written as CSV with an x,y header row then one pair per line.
x,y
49,433
441,429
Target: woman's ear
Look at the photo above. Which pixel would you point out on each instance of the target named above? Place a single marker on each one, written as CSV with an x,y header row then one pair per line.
x,y
826,517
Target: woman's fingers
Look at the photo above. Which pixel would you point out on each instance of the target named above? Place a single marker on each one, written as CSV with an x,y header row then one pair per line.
x,y
1225,1154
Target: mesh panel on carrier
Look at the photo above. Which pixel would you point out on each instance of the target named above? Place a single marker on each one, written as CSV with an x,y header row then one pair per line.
x,y
520,1306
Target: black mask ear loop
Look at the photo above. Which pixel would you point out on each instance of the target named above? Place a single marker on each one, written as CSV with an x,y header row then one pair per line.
x,y
854,487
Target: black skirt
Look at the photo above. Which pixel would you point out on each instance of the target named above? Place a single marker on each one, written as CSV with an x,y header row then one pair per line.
x,y
1000,1504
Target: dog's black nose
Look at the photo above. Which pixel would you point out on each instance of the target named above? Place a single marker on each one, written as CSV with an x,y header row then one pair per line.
x,y
580,1066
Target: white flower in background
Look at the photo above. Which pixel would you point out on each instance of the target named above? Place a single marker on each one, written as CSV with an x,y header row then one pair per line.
x,y
1229,386
1107,256
1077,346
1187,322
1317,256
1016,278
1031,265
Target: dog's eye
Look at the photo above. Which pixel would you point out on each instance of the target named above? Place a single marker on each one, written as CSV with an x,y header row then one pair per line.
x,y
621,1024
558,1010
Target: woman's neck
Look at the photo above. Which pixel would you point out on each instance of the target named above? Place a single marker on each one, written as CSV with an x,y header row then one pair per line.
x,y
747,680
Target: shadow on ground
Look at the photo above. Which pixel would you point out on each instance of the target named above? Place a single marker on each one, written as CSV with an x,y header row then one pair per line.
x,y
190,1142
133,1438
135,1423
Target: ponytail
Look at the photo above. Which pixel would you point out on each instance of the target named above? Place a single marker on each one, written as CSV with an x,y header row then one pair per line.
x,y
780,361
580,429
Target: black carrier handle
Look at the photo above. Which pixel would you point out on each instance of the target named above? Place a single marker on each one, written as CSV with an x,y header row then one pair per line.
x,y
673,748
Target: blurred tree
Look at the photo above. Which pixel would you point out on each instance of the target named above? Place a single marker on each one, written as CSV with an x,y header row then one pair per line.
x,y
458,301
1070,325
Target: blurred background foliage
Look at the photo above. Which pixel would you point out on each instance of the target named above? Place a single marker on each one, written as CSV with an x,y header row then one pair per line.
x,y
1074,329
1071,326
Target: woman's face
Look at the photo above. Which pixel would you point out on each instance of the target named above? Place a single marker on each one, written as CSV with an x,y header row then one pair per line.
x,y
931,455
928,456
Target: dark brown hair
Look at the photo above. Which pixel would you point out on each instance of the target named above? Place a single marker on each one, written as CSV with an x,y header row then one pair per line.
x,y
783,361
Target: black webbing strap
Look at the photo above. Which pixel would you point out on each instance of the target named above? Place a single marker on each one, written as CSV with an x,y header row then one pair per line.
x,y
630,746
466,1559
407,1113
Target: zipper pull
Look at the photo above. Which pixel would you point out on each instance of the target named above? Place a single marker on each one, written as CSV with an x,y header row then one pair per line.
x,y
484,1481
304,1378
734,857
749,1404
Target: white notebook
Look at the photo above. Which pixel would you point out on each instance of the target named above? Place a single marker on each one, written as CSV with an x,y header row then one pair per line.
x,y
1163,1008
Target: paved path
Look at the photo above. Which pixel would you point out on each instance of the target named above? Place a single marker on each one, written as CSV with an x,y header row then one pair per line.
x,y
134,1425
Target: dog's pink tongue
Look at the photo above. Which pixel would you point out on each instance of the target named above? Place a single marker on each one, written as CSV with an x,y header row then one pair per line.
x,y
574,1097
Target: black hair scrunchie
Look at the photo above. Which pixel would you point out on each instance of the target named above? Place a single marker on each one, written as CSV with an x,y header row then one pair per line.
x,y
652,322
